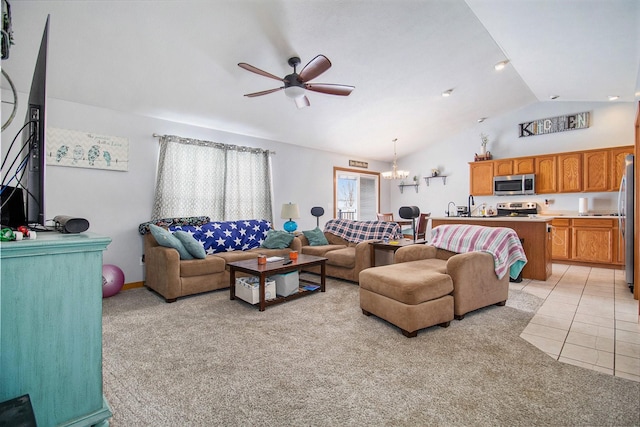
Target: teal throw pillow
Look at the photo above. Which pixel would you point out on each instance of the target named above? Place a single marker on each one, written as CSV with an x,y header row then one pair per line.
x,y
166,239
316,237
277,239
194,247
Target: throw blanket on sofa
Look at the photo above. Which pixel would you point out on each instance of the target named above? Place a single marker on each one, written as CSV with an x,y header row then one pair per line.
x,y
359,231
502,243
226,236
167,222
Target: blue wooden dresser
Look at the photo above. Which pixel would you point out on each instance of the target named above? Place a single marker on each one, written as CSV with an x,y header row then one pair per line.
x,y
51,327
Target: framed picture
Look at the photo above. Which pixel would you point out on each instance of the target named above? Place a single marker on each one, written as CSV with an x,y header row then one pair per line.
x,y
78,149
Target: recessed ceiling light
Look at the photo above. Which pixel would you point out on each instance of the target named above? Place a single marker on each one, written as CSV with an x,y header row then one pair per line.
x,y
500,65
613,97
554,97
447,93
482,119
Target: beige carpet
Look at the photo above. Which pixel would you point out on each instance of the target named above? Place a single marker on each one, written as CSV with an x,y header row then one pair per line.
x,y
209,361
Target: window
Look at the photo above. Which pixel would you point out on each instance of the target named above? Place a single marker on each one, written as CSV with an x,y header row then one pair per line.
x,y
356,194
224,182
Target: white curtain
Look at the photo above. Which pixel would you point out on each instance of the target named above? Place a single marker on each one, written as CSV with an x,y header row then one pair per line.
x,y
224,182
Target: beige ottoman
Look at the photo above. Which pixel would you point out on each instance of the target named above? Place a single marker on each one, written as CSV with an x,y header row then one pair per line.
x,y
407,296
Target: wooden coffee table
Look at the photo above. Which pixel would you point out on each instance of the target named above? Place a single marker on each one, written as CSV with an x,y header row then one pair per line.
x,y
251,266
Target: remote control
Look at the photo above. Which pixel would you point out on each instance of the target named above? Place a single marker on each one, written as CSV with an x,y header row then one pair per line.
x,y
287,262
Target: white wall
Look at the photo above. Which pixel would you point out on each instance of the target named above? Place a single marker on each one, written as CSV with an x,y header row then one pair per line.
x,y
611,124
116,202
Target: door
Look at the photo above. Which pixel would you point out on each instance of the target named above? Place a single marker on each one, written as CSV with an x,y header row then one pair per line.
x,y
356,194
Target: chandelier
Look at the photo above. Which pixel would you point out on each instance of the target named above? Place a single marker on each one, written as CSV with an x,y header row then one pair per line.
x,y
395,173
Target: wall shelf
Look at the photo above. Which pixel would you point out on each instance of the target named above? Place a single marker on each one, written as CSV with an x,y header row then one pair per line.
x,y
428,178
401,186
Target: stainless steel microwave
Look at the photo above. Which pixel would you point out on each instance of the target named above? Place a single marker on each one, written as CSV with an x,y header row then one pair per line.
x,y
513,185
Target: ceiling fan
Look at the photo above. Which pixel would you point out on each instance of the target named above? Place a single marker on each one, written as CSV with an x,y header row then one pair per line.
x,y
295,84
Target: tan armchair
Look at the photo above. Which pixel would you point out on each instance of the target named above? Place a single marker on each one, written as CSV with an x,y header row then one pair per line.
x,y
426,286
475,283
345,260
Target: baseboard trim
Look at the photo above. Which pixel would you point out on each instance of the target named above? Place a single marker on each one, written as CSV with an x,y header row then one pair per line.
x,y
588,264
132,285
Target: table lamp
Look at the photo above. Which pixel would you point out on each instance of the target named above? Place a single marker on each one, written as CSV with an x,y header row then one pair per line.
x,y
290,210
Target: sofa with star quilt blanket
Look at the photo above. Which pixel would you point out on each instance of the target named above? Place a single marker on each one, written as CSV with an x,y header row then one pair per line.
x,y
187,256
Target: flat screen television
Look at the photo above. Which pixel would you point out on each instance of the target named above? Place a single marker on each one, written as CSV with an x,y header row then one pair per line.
x,y
35,135
23,203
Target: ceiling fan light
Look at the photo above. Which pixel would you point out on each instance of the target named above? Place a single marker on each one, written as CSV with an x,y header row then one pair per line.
x,y
294,91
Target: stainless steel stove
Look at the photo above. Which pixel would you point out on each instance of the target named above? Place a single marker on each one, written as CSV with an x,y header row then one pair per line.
x,y
516,209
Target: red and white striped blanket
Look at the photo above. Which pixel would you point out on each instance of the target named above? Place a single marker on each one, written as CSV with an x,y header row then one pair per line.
x,y
503,243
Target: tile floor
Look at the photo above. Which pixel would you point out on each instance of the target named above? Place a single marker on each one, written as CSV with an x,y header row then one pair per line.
x,y
588,318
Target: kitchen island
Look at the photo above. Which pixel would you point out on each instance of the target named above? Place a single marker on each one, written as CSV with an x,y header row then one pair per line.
x,y
534,232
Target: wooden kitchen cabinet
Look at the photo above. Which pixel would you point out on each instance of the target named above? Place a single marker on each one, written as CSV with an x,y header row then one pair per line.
x,y
590,171
596,171
561,239
524,165
588,240
570,173
592,240
517,166
546,181
616,157
503,167
481,178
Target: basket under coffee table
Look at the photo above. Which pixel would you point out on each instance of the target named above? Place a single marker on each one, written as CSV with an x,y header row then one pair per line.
x,y
251,266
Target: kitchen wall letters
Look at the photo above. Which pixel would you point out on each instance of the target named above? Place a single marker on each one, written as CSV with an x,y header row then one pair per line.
x,y
554,124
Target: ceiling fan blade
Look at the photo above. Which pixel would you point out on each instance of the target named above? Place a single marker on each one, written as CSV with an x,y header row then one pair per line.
x,y
314,68
302,101
258,71
264,92
342,90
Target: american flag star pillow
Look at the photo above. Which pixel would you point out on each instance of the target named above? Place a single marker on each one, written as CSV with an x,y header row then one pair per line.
x,y
227,236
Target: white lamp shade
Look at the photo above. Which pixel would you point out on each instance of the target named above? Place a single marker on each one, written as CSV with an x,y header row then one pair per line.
x,y
290,210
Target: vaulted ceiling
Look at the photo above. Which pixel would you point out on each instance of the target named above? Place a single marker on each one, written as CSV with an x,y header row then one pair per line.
x,y
177,60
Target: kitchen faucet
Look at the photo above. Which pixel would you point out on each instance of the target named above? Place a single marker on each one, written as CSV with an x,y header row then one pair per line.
x,y
449,212
470,202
